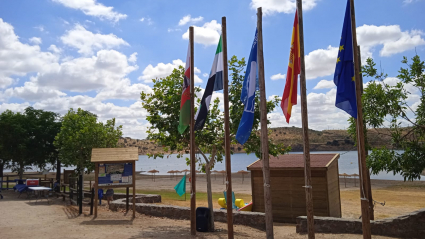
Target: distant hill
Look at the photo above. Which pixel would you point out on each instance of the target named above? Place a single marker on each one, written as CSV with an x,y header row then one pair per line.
x,y
326,140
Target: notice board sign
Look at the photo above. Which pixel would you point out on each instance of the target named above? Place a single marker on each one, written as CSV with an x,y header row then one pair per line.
x,y
115,174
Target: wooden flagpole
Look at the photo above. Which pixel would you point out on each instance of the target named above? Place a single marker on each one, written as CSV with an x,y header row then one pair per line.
x,y
264,133
227,133
192,138
360,134
304,114
369,192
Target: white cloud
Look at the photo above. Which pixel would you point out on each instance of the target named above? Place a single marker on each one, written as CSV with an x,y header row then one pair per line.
x,y
188,19
123,90
15,107
85,74
133,57
205,75
35,40
271,7
322,113
320,62
162,70
54,49
5,81
391,37
20,59
174,30
207,35
148,20
278,77
32,92
92,8
324,84
86,42
40,28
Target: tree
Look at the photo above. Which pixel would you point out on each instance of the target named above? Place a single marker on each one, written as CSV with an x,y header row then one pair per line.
x,y
389,109
163,107
79,134
28,139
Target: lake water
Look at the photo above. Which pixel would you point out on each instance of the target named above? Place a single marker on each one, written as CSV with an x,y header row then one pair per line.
x,y
347,164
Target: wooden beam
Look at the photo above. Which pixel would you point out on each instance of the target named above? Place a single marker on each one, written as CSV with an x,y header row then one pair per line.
x,y
192,138
134,189
96,188
227,132
304,116
360,139
369,192
264,132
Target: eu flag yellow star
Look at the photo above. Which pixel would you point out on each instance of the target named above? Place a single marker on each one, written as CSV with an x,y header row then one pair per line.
x,y
337,60
353,78
341,48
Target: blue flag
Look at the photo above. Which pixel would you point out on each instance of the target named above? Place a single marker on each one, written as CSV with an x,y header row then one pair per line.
x,y
181,186
344,70
250,85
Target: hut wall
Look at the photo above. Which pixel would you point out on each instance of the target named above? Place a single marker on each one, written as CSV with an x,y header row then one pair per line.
x,y
333,190
288,194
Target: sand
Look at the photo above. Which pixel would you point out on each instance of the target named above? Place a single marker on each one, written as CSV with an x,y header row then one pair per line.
x,y
22,218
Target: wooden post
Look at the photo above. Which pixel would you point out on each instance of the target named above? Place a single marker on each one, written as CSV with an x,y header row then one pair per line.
x,y
264,133
134,189
185,186
7,182
127,201
360,139
96,188
369,193
192,138
304,116
227,132
91,201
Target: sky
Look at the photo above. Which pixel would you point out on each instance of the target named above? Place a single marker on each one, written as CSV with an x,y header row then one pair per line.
x,y
99,55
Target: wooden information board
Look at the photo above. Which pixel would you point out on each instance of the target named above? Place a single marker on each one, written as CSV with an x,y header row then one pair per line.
x,y
115,168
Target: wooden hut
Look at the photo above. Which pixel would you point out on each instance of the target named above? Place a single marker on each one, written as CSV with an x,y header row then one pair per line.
x,y
287,181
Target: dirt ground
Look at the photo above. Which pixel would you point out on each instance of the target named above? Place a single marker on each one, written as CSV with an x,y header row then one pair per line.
x,y
22,218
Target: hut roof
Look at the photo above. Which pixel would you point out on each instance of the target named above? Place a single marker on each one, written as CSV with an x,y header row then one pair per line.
x,y
295,161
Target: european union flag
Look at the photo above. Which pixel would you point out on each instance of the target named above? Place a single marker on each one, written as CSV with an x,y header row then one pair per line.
x,y
344,70
249,87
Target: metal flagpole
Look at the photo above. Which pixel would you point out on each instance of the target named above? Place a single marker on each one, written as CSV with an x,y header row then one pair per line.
x,y
360,134
227,133
304,114
264,133
192,138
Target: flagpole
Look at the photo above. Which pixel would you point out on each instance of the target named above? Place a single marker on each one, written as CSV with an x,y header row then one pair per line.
x,y
360,134
369,192
227,133
264,133
304,114
192,138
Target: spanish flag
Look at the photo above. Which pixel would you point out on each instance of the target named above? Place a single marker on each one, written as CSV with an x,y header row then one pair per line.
x,y
289,97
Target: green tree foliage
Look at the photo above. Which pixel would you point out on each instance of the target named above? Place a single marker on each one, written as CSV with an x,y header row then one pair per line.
x,y
79,134
163,108
27,139
387,107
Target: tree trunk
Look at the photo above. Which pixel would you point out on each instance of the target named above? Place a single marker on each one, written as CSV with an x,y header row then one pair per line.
x,y
21,170
1,170
58,170
209,193
209,188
